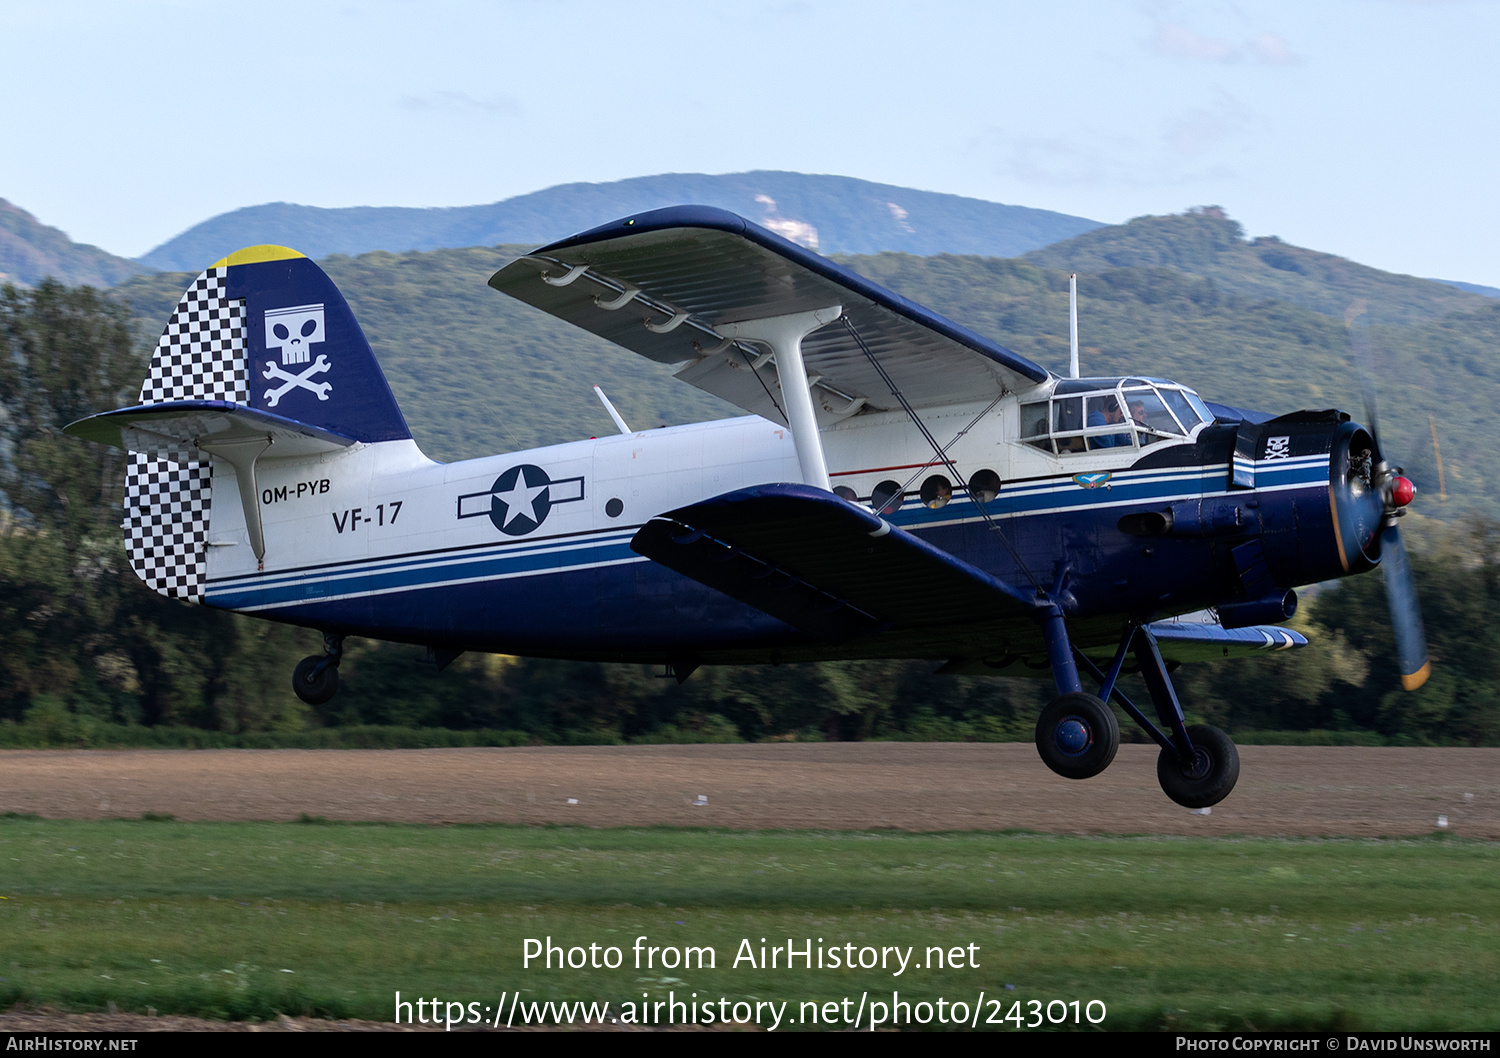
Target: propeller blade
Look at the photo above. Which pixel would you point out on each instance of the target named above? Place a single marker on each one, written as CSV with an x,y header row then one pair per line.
x,y
1406,614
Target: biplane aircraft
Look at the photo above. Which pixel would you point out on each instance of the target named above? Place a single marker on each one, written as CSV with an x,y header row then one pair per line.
x,y
902,487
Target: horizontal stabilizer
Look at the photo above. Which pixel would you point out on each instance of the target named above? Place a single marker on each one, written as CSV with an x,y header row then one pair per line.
x,y
661,283
833,569
174,427
185,432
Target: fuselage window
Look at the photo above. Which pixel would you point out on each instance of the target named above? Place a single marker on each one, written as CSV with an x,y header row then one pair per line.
x,y
1147,412
937,491
886,497
985,484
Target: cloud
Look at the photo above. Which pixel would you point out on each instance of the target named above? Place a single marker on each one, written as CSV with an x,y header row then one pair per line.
x,y
1056,161
1181,154
463,103
1272,49
1182,42
1204,130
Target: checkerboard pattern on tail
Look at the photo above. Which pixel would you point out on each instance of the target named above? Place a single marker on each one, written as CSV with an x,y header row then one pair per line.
x,y
200,356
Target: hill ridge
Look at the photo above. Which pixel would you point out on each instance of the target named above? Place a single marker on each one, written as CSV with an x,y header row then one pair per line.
x,y
832,214
30,251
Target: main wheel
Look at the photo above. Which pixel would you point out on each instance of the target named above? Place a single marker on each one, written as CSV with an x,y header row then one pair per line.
x,y
1211,775
1077,735
315,687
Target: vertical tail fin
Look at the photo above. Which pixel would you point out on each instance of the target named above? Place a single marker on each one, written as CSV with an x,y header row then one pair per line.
x,y
264,327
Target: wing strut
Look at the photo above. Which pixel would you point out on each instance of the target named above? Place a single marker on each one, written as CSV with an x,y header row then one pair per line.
x,y
784,335
947,461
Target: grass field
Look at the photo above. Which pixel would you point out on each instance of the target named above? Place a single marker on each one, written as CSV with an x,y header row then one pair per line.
x,y
247,920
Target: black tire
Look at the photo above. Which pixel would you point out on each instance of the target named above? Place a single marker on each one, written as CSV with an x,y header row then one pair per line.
x,y
1212,776
1077,735
315,689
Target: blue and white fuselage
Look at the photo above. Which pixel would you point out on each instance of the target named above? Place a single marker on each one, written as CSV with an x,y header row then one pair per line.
x,y
529,553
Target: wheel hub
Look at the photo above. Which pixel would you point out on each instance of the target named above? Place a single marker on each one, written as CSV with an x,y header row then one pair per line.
x,y
1199,766
1073,736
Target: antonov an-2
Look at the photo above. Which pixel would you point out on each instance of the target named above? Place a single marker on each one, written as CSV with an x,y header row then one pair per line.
x,y
902,487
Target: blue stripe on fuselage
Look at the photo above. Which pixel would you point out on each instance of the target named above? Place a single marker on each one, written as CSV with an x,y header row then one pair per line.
x,y
590,590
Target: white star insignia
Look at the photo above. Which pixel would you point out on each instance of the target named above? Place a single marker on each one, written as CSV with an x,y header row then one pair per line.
x,y
521,500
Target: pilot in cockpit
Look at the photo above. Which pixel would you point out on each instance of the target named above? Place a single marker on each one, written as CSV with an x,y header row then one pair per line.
x,y
1106,412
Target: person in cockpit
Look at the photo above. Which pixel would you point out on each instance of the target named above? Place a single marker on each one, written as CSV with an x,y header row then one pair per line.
x,y
1106,412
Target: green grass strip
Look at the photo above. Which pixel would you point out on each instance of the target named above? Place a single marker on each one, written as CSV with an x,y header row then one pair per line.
x,y
248,920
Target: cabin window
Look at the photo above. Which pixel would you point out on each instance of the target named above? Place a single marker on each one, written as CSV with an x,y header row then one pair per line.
x,y
886,497
844,492
985,484
936,491
1148,414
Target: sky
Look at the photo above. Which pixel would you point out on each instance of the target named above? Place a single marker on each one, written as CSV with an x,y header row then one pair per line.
x,y
1363,128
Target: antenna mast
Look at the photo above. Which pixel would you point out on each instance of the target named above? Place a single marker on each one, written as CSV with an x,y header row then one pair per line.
x,y
1073,325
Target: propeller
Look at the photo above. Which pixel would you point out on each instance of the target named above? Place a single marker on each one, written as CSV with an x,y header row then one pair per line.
x,y
1393,491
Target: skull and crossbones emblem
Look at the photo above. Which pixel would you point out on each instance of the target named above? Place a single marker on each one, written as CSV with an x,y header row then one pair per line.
x,y
294,330
290,381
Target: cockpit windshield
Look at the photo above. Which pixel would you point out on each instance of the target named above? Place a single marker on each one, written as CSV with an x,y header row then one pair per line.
x,y
1094,414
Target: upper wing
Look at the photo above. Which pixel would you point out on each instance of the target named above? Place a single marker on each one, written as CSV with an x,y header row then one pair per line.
x,y
659,283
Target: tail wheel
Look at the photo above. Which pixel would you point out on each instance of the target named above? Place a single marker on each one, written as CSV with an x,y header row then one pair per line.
x,y
1077,735
1208,778
312,684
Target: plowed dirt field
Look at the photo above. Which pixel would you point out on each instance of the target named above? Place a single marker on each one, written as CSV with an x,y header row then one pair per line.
x,y
1282,790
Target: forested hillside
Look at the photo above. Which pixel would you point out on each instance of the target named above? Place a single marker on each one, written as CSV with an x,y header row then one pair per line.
x,y
1207,244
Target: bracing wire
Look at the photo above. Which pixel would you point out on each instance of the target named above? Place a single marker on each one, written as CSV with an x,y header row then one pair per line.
x,y
942,454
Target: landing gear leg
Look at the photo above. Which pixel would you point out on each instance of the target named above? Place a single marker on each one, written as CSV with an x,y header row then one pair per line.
x,y
1198,765
1201,765
1077,734
316,678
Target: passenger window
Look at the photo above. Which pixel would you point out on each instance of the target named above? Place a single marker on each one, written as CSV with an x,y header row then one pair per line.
x,y
886,497
1104,410
936,491
985,484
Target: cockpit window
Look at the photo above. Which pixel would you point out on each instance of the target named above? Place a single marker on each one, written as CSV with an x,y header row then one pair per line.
x,y
1097,414
1185,412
